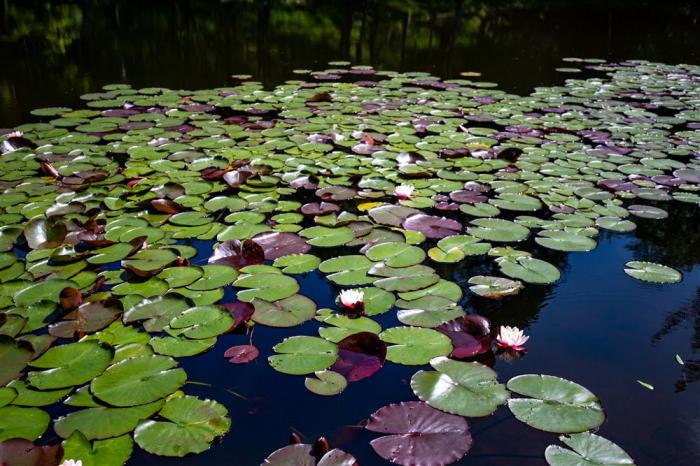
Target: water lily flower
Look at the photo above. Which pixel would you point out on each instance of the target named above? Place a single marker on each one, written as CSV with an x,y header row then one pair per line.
x,y
352,299
72,463
512,338
404,191
15,134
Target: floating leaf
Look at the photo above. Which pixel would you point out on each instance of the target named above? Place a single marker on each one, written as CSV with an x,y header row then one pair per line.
x,y
111,452
287,312
588,450
654,273
104,423
138,380
326,383
555,404
415,346
190,426
241,354
69,365
303,355
468,389
23,423
419,434
494,287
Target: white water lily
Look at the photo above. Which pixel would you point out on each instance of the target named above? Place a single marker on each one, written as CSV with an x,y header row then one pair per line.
x,y
512,338
352,298
15,134
72,463
404,191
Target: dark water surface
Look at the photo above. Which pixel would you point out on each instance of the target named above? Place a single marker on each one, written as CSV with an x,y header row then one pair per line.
x,y
597,326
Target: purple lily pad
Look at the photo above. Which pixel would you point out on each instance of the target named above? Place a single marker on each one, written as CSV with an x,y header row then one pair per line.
x,y
20,452
238,254
616,185
359,356
470,335
419,435
279,244
336,193
240,311
241,354
468,197
301,454
432,226
314,208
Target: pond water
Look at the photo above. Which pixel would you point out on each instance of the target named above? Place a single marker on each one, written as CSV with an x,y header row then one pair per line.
x,y
595,326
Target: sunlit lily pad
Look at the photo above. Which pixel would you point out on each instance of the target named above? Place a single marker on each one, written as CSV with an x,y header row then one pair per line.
x,y
415,346
588,450
469,389
654,273
555,404
303,355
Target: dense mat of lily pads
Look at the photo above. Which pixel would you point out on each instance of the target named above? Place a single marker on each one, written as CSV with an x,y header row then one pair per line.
x,y
370,177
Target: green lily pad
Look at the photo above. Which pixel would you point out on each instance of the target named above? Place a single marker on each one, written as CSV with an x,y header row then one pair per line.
x,y
180,347
297,263
348,270
396,254
138,380
555,404
265,286
565,241
327,237
414,346
14,356
201,322
529,269
468,389
494,287
69,365
286,312
26,423
302,354
651,272
103,423
588,450
156,312
497,230
326,383
190,426
111,452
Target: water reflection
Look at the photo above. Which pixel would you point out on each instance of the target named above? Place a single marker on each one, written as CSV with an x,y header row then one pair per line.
x,y
70,47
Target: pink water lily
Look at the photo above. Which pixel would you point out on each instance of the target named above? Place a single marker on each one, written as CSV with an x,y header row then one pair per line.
x,y
15,134
72,463
352,299
512,338
404,191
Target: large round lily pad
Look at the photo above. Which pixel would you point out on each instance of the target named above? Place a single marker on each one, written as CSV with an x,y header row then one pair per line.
x,y
303,355
190,425
554,404
139,380
469,389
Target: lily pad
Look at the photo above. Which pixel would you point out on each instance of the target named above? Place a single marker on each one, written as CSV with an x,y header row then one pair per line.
x,y
303,355
419,434
588,450
190,425
415,346
555,404
468,389
139,380
651,272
